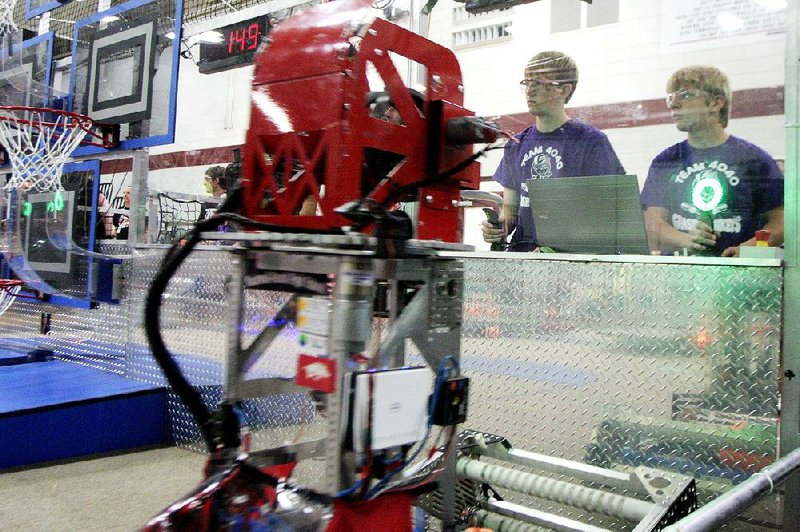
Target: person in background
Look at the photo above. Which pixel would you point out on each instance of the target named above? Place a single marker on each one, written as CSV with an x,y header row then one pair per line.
x,y
554,146
215,183
710,193
105,225
122,220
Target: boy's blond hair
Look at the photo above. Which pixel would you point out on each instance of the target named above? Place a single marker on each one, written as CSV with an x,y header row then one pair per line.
x,y
557,66
708,79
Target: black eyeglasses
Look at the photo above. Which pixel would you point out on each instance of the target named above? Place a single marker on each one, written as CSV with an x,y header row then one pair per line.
x,y
684,95
527,84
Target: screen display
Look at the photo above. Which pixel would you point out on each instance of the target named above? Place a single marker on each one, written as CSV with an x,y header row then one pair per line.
x,y
237,44
117,74
41,253
120,84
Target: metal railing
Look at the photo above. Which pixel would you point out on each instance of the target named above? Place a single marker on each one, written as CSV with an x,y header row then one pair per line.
x,y
727,506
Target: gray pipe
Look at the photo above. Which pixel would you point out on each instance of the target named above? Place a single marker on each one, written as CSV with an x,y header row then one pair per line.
x,y
727,506
555,490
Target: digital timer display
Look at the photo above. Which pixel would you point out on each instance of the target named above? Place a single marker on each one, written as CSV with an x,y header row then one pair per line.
x,y
242,39
237,44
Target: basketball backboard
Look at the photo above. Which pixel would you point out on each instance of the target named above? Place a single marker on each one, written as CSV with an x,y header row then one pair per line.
x,y
25,76
34,8
124,71
49,237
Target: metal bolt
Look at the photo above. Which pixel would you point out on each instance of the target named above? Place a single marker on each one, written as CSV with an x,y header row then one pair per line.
x,y
372,32
378,51
428,199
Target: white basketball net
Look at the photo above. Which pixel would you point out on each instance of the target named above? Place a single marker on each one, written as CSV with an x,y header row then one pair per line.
x,y
7,296
7,17
38,142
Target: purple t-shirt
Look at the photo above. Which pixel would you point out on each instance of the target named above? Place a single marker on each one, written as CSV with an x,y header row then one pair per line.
x,y
736,182
575,149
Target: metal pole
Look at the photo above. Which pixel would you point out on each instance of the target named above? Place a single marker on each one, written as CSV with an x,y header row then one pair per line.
x,y
724,508
555,490
506,524
140,160
790,351
560,466
235,313
539,518
351,325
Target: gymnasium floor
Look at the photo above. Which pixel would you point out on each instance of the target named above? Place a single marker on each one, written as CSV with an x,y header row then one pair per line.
x,y
107,493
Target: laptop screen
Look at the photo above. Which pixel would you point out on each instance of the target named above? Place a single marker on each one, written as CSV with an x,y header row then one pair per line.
x,y
595,214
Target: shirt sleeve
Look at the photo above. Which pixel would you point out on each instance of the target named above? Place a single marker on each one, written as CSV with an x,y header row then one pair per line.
x,y
769,191
601,158
654,189
506,170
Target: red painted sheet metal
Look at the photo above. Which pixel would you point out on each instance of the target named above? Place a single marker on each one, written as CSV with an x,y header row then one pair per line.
x,y
310,123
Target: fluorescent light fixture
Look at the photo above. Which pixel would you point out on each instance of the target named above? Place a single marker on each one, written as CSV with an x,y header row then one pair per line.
x,y
729,22
772,5
170,35
210,37
109,18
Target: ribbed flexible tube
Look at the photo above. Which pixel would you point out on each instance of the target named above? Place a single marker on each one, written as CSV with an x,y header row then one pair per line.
x,y
555,490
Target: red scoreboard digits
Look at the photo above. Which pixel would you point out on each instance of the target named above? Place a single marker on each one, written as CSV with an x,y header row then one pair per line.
x,y
242,39
236,47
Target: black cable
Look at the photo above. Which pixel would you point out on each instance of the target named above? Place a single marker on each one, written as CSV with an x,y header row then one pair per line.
x,y
152,313
445,174
152,324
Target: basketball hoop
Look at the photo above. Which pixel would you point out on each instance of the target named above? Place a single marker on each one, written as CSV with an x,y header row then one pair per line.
x,y
39,141
9,288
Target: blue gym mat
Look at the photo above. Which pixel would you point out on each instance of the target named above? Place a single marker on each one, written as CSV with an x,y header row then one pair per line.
x,y
43,384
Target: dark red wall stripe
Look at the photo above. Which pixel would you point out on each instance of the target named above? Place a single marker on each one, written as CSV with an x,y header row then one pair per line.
x,y
746,103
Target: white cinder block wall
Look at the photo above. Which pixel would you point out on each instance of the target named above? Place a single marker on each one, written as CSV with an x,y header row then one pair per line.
x,y
622,62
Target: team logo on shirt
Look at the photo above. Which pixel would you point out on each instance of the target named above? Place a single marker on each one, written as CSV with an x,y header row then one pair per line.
x,y
541,167
714,169
707,193
542,161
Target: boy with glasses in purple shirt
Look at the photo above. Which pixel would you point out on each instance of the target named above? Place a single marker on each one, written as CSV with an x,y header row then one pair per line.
x,y
710,193
554,146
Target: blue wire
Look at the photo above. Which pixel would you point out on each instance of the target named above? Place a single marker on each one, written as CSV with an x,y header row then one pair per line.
x,y
437,386
349,491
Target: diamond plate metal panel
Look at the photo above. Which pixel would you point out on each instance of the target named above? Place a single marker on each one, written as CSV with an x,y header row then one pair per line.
x,y
671,366
615,364
194,321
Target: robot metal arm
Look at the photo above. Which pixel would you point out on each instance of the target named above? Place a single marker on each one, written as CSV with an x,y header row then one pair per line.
x,y
310,124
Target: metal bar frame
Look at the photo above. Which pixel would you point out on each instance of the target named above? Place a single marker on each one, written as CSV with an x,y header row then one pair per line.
x,y
725,507
790,364
432,320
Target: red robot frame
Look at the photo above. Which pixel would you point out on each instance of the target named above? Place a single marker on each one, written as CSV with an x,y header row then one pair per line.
x,y
310,124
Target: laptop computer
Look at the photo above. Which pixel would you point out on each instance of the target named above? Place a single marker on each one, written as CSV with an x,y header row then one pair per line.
x,y
595,214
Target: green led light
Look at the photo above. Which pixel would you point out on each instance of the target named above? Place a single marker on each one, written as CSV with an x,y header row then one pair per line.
x,y
57,205
707,194
27,208
59,201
